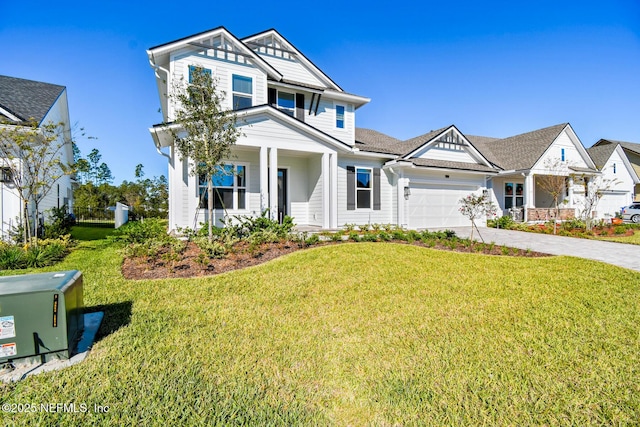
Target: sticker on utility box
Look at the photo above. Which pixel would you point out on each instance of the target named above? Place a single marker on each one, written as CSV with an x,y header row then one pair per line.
x,y
8,350
7,327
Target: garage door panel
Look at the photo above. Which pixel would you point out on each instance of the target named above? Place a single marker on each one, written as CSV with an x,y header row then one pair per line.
x,y
432,206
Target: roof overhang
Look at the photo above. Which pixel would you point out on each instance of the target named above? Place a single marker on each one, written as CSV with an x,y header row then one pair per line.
x,y
162,134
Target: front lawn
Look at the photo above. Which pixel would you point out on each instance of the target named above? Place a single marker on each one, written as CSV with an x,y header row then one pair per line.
x,y
354,334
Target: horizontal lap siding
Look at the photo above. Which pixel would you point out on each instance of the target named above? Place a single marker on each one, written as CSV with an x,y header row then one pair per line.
x,y
364,216
292,70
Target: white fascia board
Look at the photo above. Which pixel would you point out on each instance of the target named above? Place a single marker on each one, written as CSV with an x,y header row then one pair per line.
x,y
172,46
627,164
361,153
357,100
302,126
9,115
579,146
434,140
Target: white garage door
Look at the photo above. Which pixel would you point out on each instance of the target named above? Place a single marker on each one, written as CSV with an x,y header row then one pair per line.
x,y
611,203
437,206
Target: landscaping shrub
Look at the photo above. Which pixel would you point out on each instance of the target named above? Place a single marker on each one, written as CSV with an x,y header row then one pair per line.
x,y
505,222
141,231
46,253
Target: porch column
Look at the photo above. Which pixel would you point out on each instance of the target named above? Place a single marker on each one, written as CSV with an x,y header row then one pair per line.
x,y
273,183
326,191
570,191
264,179
333,223
529,195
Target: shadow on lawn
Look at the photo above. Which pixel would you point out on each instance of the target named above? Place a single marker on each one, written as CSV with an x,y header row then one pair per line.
x,y
116,316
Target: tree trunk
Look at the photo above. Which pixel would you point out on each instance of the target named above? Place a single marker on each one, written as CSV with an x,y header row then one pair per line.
x,y
210,207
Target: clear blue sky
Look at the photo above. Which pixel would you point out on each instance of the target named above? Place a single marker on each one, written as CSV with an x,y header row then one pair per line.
x,y
492,68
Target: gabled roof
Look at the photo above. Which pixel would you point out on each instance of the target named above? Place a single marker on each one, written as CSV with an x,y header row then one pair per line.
x,y
411,145
521,151
26,99
601,154
631,146
159,54
249,41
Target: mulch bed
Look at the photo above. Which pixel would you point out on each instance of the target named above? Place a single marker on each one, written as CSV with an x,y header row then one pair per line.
x,y
190,265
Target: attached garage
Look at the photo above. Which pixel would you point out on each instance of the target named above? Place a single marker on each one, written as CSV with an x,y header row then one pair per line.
x,y
610,203
431,206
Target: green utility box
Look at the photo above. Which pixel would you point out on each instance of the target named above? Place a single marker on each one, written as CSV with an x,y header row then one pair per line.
x,y
40,315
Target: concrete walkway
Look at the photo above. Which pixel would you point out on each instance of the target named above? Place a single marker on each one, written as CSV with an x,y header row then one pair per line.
x,y
619,254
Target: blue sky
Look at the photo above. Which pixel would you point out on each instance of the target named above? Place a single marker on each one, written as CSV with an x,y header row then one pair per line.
x,y
492,68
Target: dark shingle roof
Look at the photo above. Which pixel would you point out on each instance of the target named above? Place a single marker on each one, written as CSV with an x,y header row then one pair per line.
x,y
27,99
631,146
376,142
520,151
414,143
601,153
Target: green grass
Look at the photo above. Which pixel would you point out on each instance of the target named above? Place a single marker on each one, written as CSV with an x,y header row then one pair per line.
x,y
84,233
355,334
634,240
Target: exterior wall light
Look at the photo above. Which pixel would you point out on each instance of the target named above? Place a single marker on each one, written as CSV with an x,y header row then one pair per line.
x,y
407,193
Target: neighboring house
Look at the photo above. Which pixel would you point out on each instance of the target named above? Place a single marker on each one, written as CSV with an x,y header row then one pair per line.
x,y
22,101
632,152
618,178
302,155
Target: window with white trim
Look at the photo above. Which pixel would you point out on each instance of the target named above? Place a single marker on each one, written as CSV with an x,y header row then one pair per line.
x,y
513,195
364,188
242,89
340,116
229,188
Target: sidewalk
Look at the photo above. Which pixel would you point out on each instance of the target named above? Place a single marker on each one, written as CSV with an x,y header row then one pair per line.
x,y
620,254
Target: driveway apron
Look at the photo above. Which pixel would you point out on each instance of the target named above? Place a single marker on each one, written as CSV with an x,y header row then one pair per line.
x,y
619,254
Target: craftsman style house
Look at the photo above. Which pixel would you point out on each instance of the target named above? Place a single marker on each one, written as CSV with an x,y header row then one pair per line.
x,y
302,155
630,155
22,102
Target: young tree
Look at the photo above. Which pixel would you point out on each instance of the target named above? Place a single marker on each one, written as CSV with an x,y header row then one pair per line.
x,y
33,154
476,206
206,131
594,189
554,183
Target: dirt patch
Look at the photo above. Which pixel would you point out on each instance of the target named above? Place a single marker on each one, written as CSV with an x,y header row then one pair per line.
x,y
193,263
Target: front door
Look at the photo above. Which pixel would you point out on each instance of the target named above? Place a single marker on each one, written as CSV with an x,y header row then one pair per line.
x,y
282,195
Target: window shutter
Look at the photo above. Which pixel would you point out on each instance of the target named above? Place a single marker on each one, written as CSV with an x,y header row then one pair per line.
x,y
273,94
376,189
351,188
300,106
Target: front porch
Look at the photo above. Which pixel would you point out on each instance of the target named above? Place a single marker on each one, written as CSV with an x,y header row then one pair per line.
x,y
527,198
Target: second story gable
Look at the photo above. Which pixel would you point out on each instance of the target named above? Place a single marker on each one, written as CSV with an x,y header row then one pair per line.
x,y
263,69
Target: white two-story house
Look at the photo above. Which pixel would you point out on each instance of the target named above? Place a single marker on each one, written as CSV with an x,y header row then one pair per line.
x,y
22,102
301,154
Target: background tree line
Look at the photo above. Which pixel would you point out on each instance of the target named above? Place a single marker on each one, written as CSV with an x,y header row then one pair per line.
x,y
146,197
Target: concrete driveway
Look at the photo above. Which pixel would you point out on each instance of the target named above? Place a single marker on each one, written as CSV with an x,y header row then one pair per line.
x,y
619,254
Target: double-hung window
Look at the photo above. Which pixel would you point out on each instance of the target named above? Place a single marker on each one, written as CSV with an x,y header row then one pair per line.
x,y
363,188
242,88
340,116
229,188
287,102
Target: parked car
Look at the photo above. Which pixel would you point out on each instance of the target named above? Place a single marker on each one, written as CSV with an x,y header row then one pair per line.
x,y
632,213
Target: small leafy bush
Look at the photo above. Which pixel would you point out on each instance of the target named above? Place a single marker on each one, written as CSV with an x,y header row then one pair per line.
x,y
505,222
141,231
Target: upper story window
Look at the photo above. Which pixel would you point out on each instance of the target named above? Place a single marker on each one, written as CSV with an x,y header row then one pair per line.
x,y
562,156
614,168
287,102
192,70
340,116
242,88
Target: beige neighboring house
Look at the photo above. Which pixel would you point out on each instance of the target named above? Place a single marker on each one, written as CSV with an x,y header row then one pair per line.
x,y
22,101
632,152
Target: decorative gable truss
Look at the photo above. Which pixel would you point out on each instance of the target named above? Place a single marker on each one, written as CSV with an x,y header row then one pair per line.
x,y
448,145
